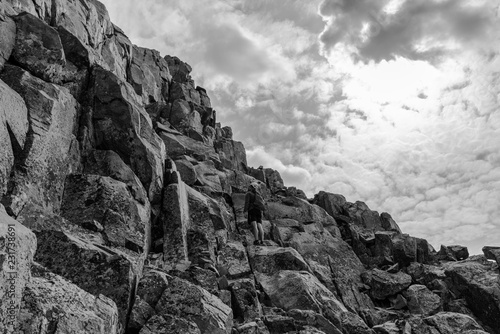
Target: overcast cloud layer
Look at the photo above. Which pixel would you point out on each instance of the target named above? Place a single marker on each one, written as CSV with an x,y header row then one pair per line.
x,y
395,103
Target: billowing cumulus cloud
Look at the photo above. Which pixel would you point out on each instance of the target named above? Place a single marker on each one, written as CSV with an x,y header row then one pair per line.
x,y
391,102
416,29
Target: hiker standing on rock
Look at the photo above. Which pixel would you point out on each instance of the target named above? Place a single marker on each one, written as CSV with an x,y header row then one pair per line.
x,y
254,205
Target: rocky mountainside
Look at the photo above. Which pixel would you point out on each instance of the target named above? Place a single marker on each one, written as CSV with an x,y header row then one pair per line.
x,y
122,209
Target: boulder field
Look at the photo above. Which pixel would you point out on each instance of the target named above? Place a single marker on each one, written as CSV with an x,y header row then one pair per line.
x,y
122,209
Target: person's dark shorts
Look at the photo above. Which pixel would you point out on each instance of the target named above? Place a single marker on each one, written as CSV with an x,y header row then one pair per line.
x,y
255,215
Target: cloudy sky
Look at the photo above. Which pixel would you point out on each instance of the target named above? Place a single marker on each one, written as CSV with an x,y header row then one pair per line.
x,y
391,102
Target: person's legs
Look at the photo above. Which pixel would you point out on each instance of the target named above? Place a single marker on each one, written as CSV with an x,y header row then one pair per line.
x,y
255,230
260,231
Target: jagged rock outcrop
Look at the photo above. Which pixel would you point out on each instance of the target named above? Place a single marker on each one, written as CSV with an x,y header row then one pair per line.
x,y
126,196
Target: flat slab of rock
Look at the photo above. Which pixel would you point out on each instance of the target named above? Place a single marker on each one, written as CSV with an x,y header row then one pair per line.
x,y
38,48
122,125
52,304
51,151
13,129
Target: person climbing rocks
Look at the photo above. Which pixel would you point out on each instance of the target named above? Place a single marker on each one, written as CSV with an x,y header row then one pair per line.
x,y
254,205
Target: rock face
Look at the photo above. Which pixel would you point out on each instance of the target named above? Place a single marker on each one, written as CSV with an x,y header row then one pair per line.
x,y
52,304
122,204
17,248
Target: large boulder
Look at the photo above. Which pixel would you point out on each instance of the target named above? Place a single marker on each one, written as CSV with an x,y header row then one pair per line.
x,y
270,260
190,302
383,284
244,300
335,265
38,48
50,151
92,198
301,290
492,253
17,248
422,301
178,69
301,211
232,154
52,304
95,269
445,323
122,125
109,163
232,258
149,75
178,145
477,282
13,129
7,35
116,53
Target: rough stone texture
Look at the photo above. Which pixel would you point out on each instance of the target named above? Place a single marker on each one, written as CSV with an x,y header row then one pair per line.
x,y
445,323
186,170
7,36
383,284
38,48
254,327
422,301
232,154
170,324
50,151
141,313
93,198
13,130
178,145
425,274
233,260
453,253
301,211
122,125
175,220
152,285
301,290
109,163
492,253
335,265
97,270
17,248
270,260
305,318
53,305
244,300
149,75
117,53
478,284
178,69
190,302
388,223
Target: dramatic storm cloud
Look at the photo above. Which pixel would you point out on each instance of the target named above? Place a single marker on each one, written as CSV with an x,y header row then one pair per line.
x,y
395,103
